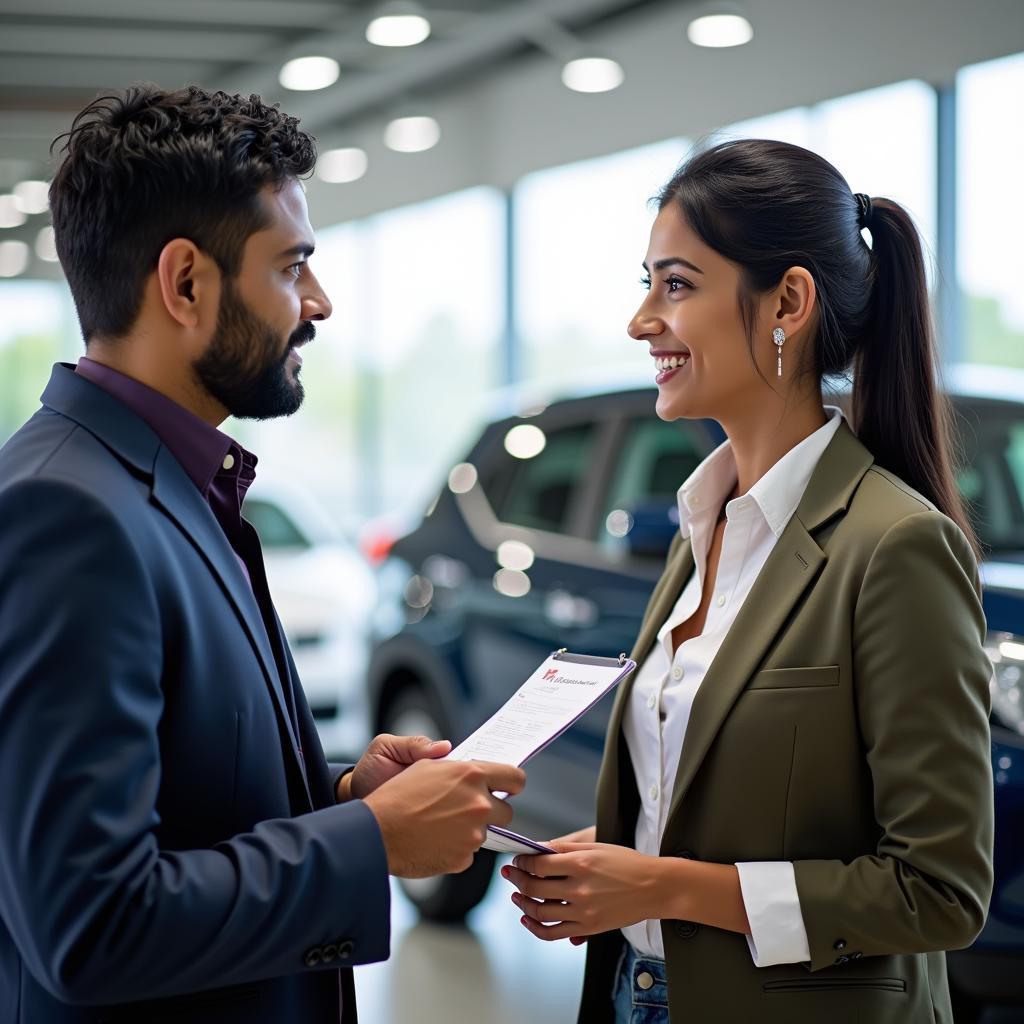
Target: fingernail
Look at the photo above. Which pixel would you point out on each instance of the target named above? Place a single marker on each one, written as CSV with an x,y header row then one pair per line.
x,y
505,873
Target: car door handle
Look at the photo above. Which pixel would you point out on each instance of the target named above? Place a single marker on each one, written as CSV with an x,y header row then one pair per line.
x,y
567,610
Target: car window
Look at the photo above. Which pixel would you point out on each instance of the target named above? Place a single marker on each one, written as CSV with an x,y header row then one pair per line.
x,y
992,480
275,528
655,459
537,492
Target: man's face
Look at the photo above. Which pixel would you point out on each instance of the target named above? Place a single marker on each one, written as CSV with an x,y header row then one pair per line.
x,y
252,363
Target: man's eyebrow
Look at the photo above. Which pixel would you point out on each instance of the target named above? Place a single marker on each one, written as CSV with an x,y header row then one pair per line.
x,y
673,261
302,249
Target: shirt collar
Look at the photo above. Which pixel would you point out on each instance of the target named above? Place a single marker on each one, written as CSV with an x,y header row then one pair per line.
x,y
200,448
777,494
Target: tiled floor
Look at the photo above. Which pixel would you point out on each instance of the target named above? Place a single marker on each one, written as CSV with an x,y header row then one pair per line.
x,y
493,971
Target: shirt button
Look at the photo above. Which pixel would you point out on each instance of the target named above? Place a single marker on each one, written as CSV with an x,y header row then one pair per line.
x,y
721,600
644,980
652,702
677,673
229,461
654,792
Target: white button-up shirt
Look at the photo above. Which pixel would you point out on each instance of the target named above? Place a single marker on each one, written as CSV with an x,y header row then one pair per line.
x,y
659,705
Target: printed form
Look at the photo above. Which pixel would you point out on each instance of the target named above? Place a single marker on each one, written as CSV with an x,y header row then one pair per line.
x,y
558,693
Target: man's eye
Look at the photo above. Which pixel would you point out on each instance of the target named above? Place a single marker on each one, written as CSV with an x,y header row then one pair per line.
x,y
296,268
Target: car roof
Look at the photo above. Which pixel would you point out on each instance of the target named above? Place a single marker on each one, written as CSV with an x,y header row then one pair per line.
x,y
962,380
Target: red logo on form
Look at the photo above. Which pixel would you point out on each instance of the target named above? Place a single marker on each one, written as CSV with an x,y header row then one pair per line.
x,y
550,674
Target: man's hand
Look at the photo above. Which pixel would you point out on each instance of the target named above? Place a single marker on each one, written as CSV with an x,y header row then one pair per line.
x,y
433,816
386,757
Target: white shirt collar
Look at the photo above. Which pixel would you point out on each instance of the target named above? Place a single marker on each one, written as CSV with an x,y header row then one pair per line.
x,y
777,494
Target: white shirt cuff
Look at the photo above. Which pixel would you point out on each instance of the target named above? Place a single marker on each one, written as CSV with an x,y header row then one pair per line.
x,y
777,933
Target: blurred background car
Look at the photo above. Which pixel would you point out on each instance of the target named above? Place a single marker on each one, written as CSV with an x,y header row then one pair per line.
x,y
324,591
551,534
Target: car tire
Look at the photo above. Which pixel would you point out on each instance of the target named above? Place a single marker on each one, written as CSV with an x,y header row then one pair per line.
x,y
442,898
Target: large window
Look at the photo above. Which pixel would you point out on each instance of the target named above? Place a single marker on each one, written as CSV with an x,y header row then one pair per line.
x,y
38,328
581,237
990,212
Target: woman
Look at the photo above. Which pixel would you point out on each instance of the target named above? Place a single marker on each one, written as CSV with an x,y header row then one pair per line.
x,y
794,813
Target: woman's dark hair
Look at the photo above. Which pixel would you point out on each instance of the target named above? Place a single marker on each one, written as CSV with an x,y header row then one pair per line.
x,y
768,206
143,168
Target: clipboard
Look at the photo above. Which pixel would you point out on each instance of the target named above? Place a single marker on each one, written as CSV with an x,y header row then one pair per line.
x,y
502,840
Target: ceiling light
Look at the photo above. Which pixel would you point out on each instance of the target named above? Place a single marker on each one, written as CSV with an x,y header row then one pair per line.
x,y
720,30
46,246
340,166
398,25
412,134
305,74
13,258
32,196
11,216
592,74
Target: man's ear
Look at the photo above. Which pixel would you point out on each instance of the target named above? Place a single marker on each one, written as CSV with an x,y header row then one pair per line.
x,y
189,282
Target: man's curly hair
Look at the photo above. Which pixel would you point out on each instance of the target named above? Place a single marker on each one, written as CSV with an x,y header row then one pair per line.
x,y
148,166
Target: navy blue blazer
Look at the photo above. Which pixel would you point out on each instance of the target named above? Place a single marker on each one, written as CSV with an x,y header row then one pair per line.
x,y
170,849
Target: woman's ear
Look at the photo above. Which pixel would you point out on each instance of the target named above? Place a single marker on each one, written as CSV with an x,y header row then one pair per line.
x,y
186,279
795,300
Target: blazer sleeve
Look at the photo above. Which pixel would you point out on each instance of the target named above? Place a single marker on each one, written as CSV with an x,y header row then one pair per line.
x,y
97,910
921,677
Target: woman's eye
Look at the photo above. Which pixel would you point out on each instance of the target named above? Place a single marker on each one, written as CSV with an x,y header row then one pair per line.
x,y
646,281
676,283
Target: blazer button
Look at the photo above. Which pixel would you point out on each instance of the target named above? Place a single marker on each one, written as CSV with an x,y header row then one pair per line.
x,y
330,951
839,945
312,956
345,948
685,929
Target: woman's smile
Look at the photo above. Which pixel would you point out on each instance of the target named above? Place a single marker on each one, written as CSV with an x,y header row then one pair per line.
x,y
668,363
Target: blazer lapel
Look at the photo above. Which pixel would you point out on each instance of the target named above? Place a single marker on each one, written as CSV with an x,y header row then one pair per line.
x,y
178,497
791,568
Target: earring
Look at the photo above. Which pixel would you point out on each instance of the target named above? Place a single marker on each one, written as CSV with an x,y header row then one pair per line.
x,y
779,336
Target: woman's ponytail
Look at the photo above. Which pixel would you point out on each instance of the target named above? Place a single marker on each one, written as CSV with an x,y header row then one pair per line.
x,y
899,411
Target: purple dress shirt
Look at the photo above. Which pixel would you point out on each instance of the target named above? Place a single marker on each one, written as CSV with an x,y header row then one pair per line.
x,y
222,470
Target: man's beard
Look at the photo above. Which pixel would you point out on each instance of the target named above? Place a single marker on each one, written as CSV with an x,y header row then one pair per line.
x,y
243,368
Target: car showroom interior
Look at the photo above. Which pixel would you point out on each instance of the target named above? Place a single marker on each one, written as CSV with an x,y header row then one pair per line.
x,y
478,478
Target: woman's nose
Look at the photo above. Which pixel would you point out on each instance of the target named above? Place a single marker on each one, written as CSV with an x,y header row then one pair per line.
x,y
643,326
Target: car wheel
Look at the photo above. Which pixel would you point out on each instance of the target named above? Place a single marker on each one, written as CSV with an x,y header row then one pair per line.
x,y
447,898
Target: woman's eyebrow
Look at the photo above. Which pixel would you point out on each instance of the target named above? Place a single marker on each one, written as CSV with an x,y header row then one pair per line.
x,y
673,261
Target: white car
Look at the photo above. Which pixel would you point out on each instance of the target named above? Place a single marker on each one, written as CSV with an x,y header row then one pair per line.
x,y
324,592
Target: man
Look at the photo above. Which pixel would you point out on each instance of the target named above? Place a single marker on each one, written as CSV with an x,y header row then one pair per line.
x,y
173,845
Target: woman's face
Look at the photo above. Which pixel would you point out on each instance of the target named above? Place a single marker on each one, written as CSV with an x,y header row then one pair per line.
x,y
691,314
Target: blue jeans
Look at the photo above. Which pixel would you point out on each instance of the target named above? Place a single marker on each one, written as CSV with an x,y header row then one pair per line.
x,y
640,994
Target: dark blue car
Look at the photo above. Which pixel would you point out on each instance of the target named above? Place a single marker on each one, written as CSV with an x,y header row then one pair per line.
x,y
552,533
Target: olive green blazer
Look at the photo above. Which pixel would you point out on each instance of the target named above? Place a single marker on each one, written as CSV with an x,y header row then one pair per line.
x,y
843,726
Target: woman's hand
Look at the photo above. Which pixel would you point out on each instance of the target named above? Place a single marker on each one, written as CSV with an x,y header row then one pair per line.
x,y
584,889
584,835
588,888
